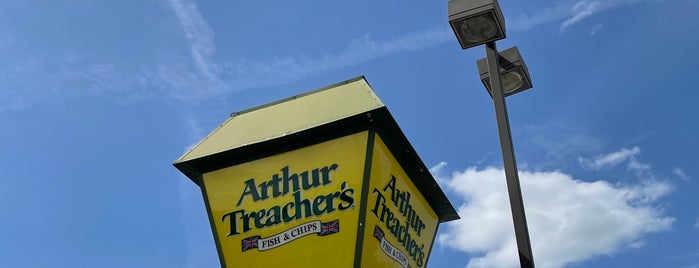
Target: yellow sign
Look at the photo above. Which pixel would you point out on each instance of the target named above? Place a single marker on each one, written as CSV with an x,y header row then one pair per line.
x,y
400,225
322,179
290,209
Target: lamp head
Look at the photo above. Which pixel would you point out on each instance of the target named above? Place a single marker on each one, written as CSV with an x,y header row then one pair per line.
x,y
513,71
476,22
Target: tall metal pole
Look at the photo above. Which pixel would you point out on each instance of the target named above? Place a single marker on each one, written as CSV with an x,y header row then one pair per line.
x,y
526,260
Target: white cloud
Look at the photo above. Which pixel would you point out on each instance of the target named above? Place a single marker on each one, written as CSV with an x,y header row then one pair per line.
x,y
282,70
571,12
581,10
569,220
32,78
634,164
696,224
680,173
199,36
437,170
244,74
198,76
596,28
28,79
613,159
559,141
586,8
524,22
642,171
195,133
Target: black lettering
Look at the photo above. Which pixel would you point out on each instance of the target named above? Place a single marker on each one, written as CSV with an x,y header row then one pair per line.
x,y
241,221
346,197
412,248
421,259
263,190
317,202
273,216
233,221
286,178
246,221
275,185
258,218
400,199
406,203
304,180
286,215
303,207
389,216
395,224
380,200
250,189
392,185
329,198
326,173
402,234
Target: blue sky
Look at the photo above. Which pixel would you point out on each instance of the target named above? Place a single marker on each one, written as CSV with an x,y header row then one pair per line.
x,y
97,98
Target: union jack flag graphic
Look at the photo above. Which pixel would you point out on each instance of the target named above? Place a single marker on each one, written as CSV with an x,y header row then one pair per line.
x,y
328,228
378,233
250,242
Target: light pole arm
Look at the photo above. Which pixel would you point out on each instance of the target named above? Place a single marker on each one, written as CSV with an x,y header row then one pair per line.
x,y
514,190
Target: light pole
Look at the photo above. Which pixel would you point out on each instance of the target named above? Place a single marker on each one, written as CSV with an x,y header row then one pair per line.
x,y
477,22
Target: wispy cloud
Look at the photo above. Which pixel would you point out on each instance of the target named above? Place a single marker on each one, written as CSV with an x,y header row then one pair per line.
x,y
559,142
240,74
206,81
437,171
569,220
586,8
28,79
596,28
641,170
256,73
556,12
194,131
613,159
198,75
281,70
199,36
569,12
581,10
191,78
680,173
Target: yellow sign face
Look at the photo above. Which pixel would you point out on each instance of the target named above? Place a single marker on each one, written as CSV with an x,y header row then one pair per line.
x,y
400,224
295,209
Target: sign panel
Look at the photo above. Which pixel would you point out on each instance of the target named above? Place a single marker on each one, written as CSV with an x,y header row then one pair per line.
x,y
400,224
294,209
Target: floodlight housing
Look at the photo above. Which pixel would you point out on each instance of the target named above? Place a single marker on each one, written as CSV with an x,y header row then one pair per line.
x,y
476,22
513,71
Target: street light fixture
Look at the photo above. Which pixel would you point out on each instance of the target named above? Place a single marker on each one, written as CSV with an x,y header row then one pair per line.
x,y
513,71
477,22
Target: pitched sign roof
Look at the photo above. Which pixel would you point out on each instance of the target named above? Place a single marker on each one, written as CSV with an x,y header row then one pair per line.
x,y
288,116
